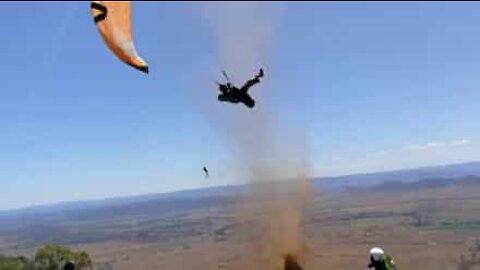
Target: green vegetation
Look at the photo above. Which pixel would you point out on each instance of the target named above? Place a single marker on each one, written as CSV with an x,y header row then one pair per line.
x,y
49,257
15,263
369,224
466,226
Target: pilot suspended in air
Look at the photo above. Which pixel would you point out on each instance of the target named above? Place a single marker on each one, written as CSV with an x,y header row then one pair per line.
x,y
232,94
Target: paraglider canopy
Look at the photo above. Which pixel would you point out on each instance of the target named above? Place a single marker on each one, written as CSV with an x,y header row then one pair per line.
x,y
114,25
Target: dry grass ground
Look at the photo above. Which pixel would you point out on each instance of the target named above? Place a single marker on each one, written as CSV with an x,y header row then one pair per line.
x,y
339,228
425,228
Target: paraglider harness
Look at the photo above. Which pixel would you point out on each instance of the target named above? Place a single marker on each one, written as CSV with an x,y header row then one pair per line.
x,y
232,94
226,88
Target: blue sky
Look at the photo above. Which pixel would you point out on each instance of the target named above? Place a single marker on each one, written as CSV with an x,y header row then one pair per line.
x,y
377,86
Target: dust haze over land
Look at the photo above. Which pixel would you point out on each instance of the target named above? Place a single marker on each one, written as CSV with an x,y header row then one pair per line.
x,y
264,151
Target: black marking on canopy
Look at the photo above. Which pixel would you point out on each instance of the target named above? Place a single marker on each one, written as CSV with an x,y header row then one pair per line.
x,y
144,69
103,12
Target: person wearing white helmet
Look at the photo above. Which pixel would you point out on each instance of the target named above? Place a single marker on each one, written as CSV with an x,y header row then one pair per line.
x,y
379,261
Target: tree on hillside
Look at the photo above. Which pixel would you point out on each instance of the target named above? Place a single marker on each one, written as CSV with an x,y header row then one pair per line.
x,y
51,257
423,213
15,263
471,260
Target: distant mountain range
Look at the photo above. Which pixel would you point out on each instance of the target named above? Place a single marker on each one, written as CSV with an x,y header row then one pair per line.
x,y
109,219
402,176
191,199
467,181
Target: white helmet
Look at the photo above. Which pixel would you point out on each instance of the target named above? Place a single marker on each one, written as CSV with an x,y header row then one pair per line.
x,y
377,253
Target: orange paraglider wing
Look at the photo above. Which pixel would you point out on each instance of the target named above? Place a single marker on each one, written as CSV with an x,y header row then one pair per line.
x,y
113,22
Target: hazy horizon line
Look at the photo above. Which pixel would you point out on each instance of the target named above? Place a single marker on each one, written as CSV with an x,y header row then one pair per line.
x,y
132,196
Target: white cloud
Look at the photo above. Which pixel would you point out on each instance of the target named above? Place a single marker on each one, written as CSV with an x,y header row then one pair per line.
x,y
378,154
460,142
415,147
436,144
409,156
431,145
337,159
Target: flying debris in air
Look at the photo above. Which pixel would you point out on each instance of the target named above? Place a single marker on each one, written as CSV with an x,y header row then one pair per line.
x,y
113,22
232,94
205,171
